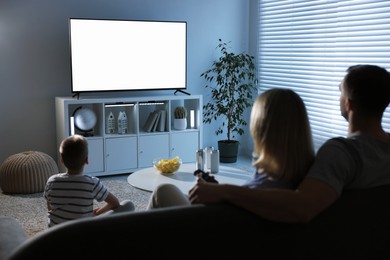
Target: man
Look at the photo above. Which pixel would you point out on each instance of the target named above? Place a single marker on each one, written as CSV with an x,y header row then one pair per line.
x,y
362,160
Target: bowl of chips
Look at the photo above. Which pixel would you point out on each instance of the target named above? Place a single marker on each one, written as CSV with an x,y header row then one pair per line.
x,y
167,166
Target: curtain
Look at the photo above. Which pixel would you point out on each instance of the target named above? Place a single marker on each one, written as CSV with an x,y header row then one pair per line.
x,y
308,45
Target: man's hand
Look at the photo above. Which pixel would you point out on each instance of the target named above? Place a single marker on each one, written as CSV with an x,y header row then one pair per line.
x,y
205,192
205,176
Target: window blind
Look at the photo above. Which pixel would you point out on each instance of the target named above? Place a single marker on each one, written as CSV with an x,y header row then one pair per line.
x,y
308,45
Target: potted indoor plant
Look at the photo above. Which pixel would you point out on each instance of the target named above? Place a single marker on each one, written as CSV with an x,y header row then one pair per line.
x,y
180,118
232,81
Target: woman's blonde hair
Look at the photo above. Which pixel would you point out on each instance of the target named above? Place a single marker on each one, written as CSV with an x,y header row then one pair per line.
x,y
280,128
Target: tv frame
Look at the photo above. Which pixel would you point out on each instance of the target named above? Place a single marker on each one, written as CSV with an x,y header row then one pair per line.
x,y
78,90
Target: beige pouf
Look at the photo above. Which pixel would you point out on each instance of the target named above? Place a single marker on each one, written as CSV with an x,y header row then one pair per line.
x,y
26,172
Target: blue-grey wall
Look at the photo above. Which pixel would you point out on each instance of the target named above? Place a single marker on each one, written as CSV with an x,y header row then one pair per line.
x,y
35,63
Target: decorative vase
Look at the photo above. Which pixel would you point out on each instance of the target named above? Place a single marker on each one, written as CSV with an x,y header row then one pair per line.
x,y
180,123
228,151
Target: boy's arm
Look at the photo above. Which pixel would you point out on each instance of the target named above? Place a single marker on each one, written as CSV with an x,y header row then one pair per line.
x,y
48,205
111,202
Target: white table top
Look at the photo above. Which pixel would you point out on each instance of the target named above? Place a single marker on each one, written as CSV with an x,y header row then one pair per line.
x,y
149,178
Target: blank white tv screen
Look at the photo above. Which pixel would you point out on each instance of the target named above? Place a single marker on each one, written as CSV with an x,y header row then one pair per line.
x,y
118,55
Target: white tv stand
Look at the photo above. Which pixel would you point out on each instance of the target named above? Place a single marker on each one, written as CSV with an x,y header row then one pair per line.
x,y
111,154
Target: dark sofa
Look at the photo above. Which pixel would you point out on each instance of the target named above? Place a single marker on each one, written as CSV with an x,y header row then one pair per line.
x,y
357,226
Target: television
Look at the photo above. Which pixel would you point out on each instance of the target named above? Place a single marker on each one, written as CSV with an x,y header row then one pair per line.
x,y
122,55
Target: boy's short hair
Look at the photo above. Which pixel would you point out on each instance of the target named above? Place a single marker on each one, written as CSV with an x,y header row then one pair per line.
x,y
74,151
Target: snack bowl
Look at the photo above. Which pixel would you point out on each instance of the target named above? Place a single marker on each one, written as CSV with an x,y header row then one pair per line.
x,y
167,166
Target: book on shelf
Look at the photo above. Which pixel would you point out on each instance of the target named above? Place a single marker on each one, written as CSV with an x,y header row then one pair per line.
x,y
162,120
156,120
150,121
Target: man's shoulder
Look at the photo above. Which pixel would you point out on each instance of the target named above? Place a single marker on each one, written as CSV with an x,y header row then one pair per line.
x,y
340,147
353,140
337,142
357,146
356,141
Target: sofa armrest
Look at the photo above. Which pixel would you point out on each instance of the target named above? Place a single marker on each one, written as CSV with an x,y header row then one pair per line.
x,y
11,236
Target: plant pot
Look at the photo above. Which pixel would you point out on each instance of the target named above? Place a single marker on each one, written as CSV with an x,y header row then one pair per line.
x,y
180,123
228,151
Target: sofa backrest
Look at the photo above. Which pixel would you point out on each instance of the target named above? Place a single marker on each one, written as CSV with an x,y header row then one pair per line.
x,y
356,226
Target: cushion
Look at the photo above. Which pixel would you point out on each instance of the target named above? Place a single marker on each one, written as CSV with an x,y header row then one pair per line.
x,y
26,172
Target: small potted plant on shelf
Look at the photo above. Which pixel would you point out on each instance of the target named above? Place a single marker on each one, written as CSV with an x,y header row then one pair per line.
x,y
180,118
233,83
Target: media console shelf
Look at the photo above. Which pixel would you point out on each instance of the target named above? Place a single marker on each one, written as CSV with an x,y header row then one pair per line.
x,y
135,148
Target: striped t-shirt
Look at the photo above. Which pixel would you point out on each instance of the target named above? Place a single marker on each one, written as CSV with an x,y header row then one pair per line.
x,y
72,196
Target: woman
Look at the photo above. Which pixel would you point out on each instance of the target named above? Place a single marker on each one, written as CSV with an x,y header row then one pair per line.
x,y
283,146
283,152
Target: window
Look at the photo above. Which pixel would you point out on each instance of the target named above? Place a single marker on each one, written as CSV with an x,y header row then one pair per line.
x,y
308,45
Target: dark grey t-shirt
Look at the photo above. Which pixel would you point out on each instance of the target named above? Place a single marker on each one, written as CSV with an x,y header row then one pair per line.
x,y
356,162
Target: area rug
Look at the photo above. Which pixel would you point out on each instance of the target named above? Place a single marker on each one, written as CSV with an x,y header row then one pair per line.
x,y
31,212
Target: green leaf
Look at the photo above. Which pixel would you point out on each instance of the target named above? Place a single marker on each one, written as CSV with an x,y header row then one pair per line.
x,y
234,76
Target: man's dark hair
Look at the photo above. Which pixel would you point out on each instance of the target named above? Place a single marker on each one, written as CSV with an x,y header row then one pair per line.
x,y
369,87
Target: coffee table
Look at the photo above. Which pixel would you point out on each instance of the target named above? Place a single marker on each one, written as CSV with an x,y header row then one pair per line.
x,y
149,178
